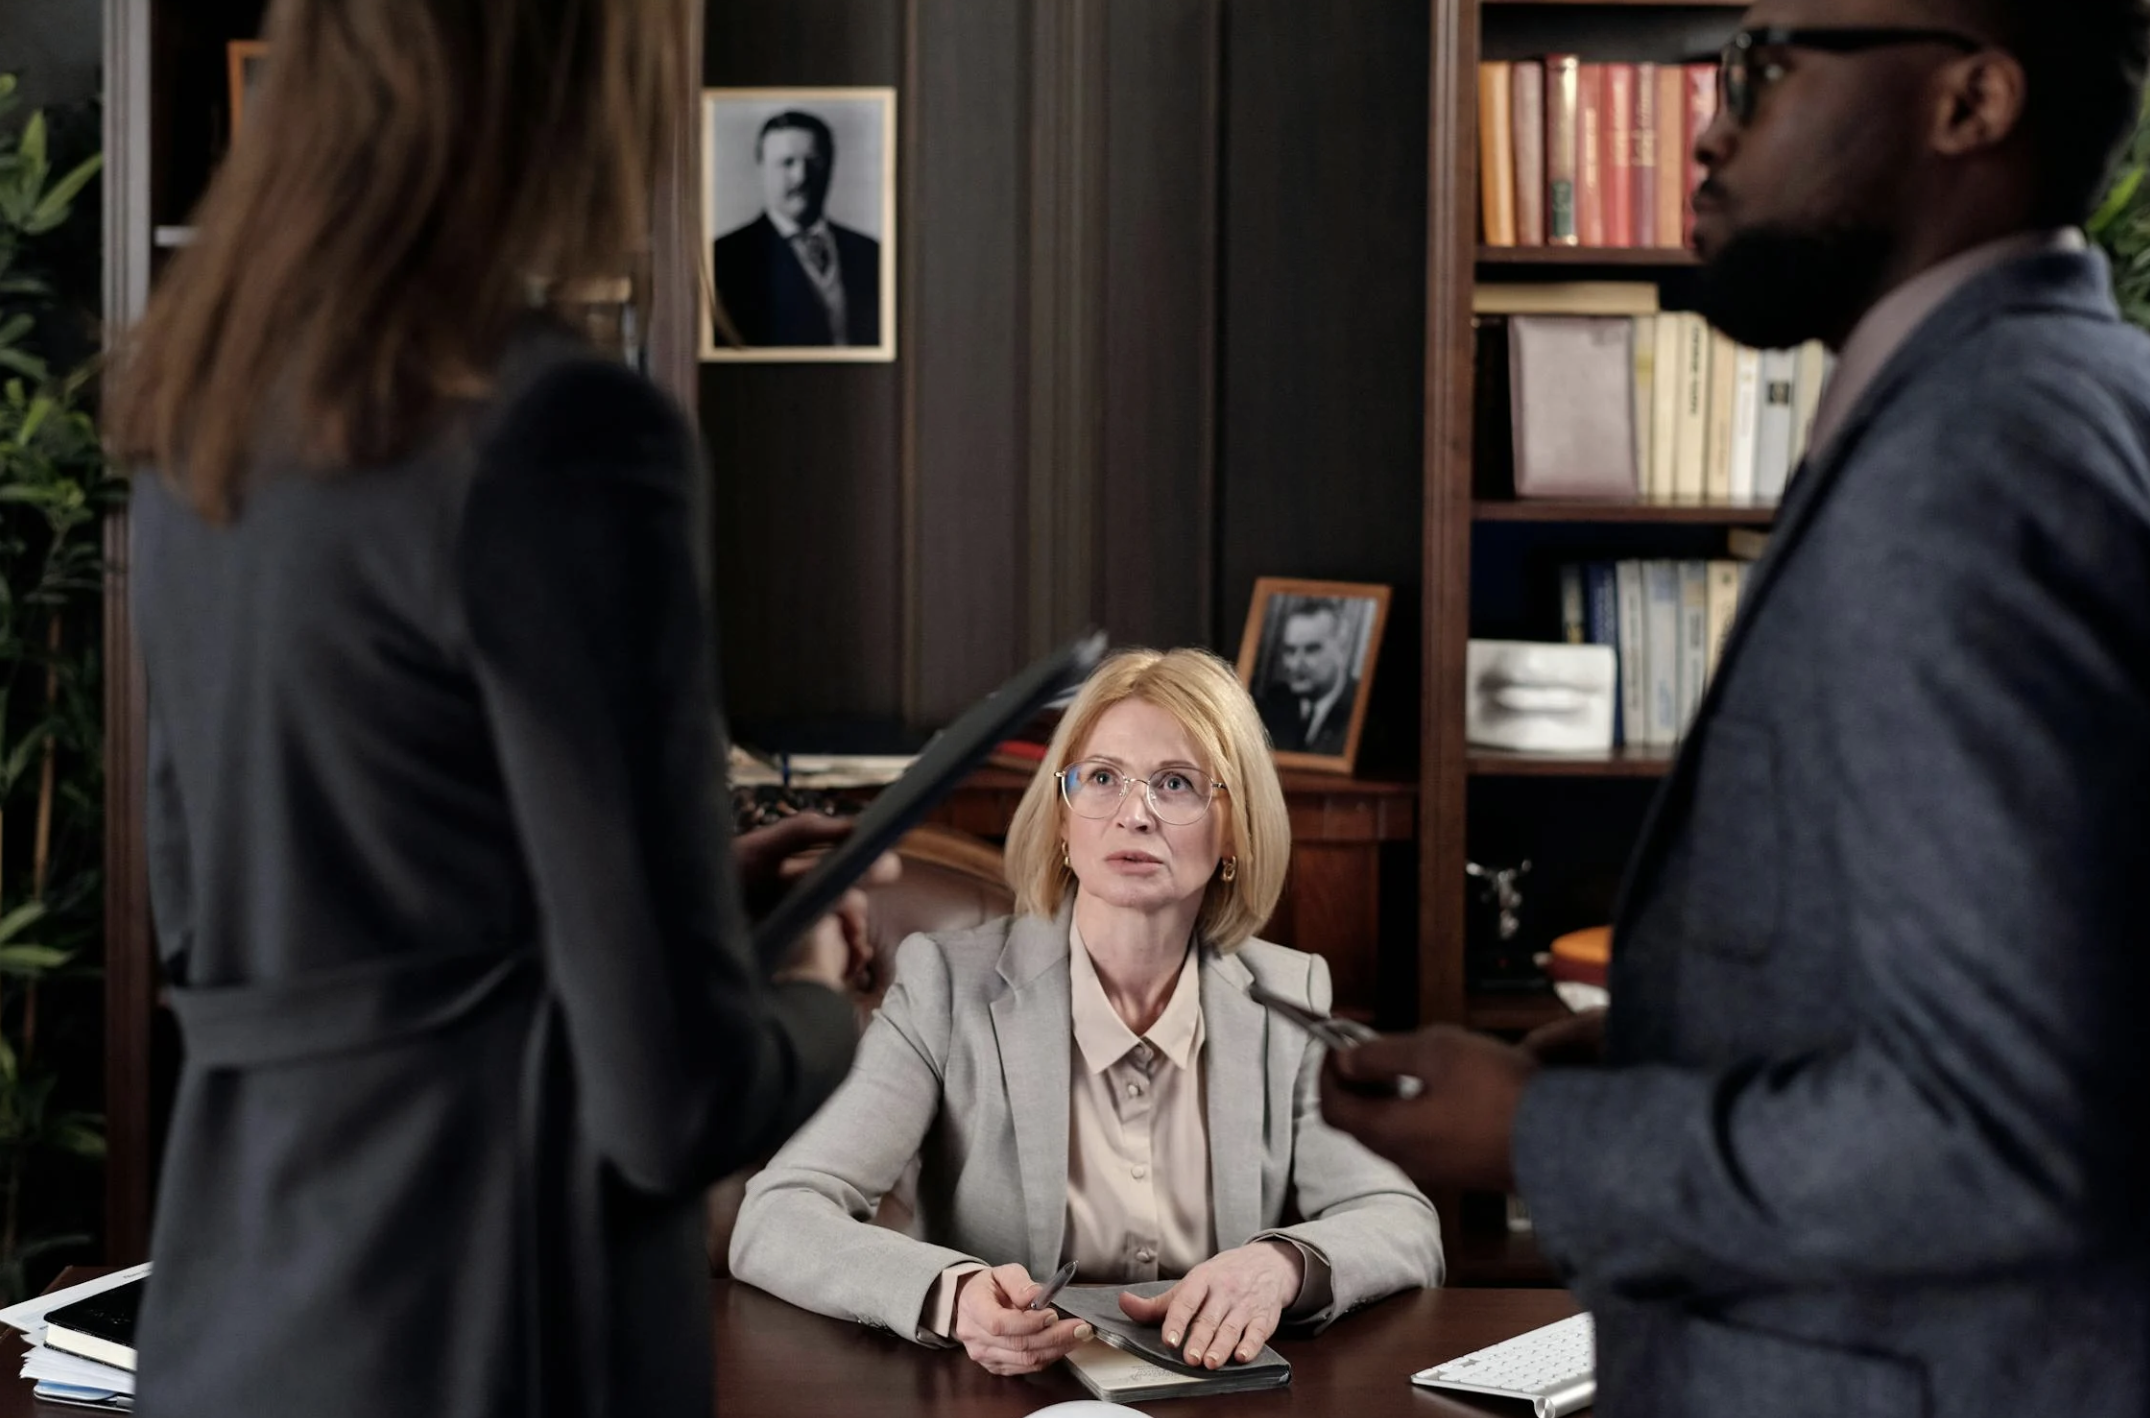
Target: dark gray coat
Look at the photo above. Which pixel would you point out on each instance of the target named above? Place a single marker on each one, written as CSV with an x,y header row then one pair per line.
x,y
442,888
1873,1141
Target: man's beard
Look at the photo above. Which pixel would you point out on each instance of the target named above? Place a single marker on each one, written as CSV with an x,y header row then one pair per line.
x,y
1774,287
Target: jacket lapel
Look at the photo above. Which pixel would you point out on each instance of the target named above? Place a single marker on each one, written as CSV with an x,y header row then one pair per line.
x,y
1235,1085
1032,1029
2075,280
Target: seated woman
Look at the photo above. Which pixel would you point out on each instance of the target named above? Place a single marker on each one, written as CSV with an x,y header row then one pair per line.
x,y
1088,1080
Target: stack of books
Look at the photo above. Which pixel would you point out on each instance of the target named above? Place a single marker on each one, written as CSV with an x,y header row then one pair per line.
x,y
1689,415
1667,622
79,1342
1584,154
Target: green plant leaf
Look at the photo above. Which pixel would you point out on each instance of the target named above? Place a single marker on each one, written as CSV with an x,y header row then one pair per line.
x,y
27,914
59,199
31,959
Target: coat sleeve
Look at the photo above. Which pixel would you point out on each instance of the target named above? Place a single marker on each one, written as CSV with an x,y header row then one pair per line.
x,y
1989,736
1377,1231
596,665
805,1231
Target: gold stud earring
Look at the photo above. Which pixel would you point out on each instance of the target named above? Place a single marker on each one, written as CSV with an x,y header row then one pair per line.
x,y
1230,873
1065,864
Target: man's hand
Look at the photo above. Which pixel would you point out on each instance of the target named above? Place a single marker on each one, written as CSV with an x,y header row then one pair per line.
x,y
1575,1042
1003,1337
1455,1133
1227,1307
770,858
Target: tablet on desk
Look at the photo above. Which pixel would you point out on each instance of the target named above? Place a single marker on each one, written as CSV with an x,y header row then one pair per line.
x,y
946,762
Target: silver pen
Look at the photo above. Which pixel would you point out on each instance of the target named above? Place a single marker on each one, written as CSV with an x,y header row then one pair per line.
x,y
1054,1286
1336,1034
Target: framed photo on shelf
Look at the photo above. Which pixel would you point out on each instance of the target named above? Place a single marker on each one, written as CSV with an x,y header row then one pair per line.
x,y
243,60
799,224
1307,657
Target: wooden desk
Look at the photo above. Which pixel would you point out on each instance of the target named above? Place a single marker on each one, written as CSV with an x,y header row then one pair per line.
x,y
776,1360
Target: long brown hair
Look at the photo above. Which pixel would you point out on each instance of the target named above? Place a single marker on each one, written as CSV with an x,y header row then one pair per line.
x,y
410,173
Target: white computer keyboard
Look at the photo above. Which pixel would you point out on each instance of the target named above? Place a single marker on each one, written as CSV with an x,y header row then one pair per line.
x,y
1552,1367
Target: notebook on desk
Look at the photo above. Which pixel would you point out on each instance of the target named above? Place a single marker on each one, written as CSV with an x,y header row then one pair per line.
x,y
1130,1361
100,1327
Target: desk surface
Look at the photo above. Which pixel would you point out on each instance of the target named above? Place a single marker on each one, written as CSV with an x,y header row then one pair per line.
x,y
774,1359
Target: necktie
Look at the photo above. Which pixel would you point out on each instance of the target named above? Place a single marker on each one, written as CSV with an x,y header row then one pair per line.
x,y
815,244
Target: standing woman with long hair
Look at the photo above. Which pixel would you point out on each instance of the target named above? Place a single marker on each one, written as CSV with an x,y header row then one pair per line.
x,y
438,875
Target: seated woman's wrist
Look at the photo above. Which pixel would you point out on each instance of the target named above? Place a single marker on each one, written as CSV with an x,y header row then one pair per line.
x,y
1293,1262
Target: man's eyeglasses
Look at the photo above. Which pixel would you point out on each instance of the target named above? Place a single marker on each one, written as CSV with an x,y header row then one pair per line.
x,y
1742,74
1178,796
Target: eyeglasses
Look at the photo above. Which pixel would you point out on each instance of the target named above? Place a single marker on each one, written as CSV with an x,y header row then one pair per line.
x,y
1741,77
1177,796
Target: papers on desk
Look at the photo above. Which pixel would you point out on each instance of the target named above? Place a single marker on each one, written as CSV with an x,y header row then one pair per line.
x,y
63,1377
816,770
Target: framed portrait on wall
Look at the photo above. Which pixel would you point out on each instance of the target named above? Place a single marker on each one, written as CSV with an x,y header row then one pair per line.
x,y
1308,657
799,224
243,60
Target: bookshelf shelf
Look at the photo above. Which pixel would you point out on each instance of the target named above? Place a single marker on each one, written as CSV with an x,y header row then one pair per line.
x,y
1658,257
1561,509
1631,761
1623,4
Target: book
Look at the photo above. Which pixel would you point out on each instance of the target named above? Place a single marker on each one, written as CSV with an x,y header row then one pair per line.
x,y
1496,146
1661,650
1560,169
1701,108
1526,83
1722,596
1746,423
100,1327
1642,162
1632,654
1694,405
1565,298
1601,626
1131,1361
1672,148
1664,407
1694,639
1717,403
1571,605
1590,154
1571,405
1645,396
1617,141
1811,373
1773,431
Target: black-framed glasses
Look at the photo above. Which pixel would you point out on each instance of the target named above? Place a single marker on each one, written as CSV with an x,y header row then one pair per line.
x,y
1742,75
1178,796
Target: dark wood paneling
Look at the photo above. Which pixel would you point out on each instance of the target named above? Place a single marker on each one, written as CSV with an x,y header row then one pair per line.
x,y
1324,220
806,477
1162,150
969,348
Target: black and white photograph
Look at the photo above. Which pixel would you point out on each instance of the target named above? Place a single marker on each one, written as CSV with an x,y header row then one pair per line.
x,y
1308,659
799,223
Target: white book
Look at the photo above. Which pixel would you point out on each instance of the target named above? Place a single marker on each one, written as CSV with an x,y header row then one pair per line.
x,y
1694,638
1694,408
1812,364
1746,423
1644,345
1665,389
1773,436
1661,649
1634,653
1724,582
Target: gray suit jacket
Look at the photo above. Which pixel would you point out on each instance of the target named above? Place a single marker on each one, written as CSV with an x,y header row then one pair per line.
x,y
1872,1137
442,891
966,1066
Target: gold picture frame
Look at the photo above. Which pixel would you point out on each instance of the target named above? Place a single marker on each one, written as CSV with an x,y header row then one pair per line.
x,y
761,299
242,61
1307,656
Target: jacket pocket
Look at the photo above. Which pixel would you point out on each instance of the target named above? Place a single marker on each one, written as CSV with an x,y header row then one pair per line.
x,y
1758,1375
1735,843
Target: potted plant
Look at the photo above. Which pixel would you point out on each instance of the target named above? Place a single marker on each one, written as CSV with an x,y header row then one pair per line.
x,y
2122,226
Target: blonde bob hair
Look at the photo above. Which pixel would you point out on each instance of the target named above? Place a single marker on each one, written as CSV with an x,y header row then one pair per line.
x,y
1204,694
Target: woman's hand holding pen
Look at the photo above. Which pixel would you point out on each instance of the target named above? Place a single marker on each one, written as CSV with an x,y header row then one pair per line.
x,y
997,1329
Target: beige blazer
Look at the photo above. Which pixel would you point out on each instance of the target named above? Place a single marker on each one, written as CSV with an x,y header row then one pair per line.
x,y
965,1067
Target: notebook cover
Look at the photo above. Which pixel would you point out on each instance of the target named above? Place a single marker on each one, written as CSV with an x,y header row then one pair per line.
x,y
1100,1305
108,1317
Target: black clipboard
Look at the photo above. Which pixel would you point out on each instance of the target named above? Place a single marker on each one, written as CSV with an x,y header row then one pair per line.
x,y
947,760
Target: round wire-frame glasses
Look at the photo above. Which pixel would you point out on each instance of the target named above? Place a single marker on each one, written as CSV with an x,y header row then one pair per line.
x,y
1178,796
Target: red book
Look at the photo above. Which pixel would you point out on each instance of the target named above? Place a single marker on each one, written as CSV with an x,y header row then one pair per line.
x,y
1562,166
1527,88
1644,158
1701,108
1590,154
1617,137
1671,153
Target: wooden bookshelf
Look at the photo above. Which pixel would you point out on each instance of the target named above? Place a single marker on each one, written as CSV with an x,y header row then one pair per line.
x,y
1584,256
1562,509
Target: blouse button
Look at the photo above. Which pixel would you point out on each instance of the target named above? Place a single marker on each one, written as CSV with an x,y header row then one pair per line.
x,y
1140,1171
